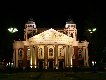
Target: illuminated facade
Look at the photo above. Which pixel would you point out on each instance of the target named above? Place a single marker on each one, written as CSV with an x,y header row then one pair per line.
x,y
50,48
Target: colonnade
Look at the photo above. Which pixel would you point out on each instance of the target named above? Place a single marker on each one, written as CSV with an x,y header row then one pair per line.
x,y
68,53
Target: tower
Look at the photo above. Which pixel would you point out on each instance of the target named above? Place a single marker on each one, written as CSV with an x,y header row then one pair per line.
x,y
70,29
30,29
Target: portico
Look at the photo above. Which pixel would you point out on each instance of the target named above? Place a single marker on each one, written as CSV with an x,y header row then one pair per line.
x,y
50,50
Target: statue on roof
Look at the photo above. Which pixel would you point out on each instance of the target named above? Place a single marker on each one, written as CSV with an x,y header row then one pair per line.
x,y
30,19
69,21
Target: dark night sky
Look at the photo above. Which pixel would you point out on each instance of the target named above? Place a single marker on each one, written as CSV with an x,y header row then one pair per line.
x,y
51,14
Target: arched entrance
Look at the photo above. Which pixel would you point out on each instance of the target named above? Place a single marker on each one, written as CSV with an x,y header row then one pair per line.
x,y
50,64
61,64
40,65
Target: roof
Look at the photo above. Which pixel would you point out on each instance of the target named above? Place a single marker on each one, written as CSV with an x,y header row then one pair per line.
x,y
30,21
44,29
70,22
51,36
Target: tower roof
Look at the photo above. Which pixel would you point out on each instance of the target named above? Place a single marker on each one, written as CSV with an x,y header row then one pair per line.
x,y
70,22
30,21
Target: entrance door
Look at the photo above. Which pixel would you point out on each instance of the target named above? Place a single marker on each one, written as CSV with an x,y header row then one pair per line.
x,y
61,65
50,64
40,65
28,63
20,63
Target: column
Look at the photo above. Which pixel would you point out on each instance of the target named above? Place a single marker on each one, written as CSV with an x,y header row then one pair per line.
x,y
56,56
75,61
25,57
16,58
85,56
70,56
36,56
72,53
33,56
67,56
45,56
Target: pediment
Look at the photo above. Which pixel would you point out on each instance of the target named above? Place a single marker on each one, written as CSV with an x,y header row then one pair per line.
x,y
51,36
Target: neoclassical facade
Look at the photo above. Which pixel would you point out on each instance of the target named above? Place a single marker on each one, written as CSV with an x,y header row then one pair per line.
x,y
45,48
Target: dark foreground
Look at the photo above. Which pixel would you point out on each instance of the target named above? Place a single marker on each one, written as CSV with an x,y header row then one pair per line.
x,y
50,75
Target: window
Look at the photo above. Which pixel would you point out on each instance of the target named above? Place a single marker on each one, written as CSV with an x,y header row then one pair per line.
x,y
60,54
20,53
80,52
80,56
72,35
68,26
60,51
72,25
28,53
30,26
34,32
25,26
40,51
50,52
30,34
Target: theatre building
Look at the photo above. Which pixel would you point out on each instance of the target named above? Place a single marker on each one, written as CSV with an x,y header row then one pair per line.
x,y
54,48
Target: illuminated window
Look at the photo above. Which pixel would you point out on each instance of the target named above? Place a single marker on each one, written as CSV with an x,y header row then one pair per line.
x,y
80,56
28,53
80,52
60,51
68,26
72,25
40,51
20,53
30,26
50,52
72,35
60,54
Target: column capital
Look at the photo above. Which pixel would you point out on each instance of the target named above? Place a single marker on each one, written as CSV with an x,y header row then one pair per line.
x,y
70,45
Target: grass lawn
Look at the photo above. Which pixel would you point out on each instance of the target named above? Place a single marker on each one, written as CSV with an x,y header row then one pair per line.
x,y
53,76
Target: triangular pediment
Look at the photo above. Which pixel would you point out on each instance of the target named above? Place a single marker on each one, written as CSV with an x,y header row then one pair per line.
x,y
51,36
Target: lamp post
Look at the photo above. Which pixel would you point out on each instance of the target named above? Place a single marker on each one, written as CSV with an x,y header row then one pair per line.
x,y
92,45
12,30
91,33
